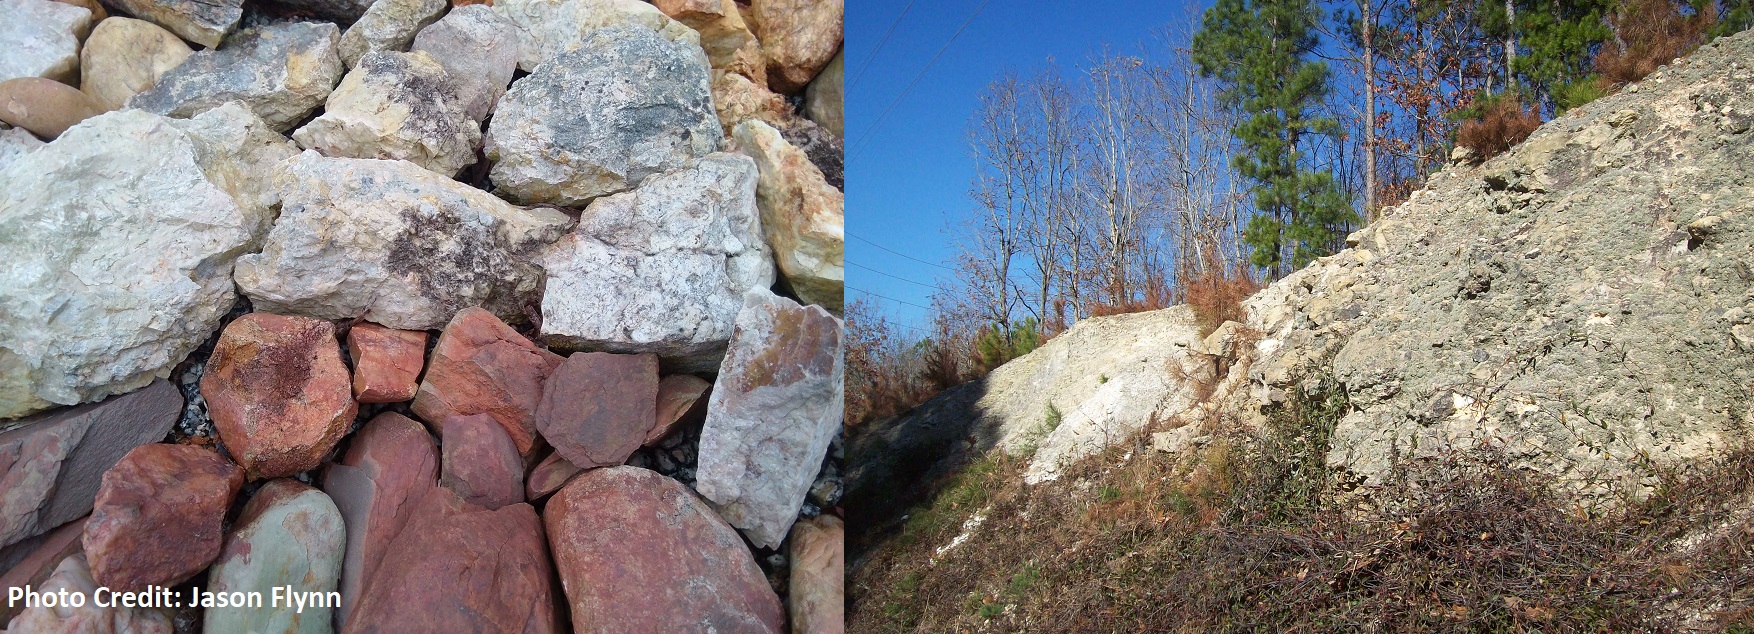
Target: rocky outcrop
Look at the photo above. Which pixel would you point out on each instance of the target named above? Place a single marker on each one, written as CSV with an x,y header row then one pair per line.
x,y
124,57
388,26
288,535
479,50
73,576
281,72
278,393
548,28
44,106
597,407
155,491
203,22
41,39
376,486
480,462
482,366
817,599
396,106
803,216
386,362
798,38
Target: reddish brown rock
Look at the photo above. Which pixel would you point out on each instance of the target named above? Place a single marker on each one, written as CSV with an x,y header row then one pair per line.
x,y
625,536
40,562
598,406
482,366
682,402
386,362
390,465
460,568
480,462
549,476
816,592
158,516
278,393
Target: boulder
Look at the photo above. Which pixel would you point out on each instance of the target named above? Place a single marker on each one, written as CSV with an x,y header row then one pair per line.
x,y
547,28
736,99
681,403
597,407
802,214
774,409
825,150
660,269
34,567
124,57
203,22
798,38
155,492
282,72
816,594
388,26
825,98
396,106
278,393
386,362
50,464
479,50
460,568
389,466
98,14
598,120
403,246
120,237
73,576
290,535
480,462
548,476
625,536
40,38
724,36
15,143
44,106
482,366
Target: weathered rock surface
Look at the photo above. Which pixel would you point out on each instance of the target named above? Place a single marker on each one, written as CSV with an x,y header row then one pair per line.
x,y
124,57
40,38
396,106
816,594
482,366
774,409
50,464
401,245
278,393
203,22
388,26
480,462
289,534
157,491
124,231
736,99
339,11
44,106
626,105
458,567
726,38
825,99
34,568
547,28
825,150
597,407
625,536
282,72
548,476
73,576
802,214
479,50
386,362
15,143
798,38
660,269
389,466
681,403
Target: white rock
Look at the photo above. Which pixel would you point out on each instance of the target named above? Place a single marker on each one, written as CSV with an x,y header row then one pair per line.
x,y
73,575
662,268
547,28
282,72
480,51
396,106
40,38
389,25
803,215
15,143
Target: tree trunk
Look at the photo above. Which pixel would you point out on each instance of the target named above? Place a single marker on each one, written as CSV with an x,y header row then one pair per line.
x,y
1509,42
1370,109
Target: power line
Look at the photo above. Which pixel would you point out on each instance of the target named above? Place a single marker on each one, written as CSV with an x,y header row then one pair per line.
x,y
889,298
861,239
868,58
930,286
910,85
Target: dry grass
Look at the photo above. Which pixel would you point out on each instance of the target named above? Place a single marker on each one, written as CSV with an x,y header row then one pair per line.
x,y
1651,33
1504,123
1216,294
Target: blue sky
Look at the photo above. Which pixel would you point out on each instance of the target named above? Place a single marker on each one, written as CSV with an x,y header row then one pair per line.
x,y
907,179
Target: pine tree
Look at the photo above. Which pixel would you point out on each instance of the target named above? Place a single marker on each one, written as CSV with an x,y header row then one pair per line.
x,y
1561,38
1260,50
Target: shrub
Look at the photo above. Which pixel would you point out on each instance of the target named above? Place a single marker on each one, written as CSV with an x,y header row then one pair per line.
x,y
1216,293
1496,123
1649,34
999,343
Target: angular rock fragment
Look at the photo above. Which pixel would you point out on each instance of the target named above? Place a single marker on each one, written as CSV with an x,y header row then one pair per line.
x,y
388,26
400,245
681,403
598,120
480,462
548,476
547,28
15,143
288,535
597,407
203,22
774,409
482,366
798,38
737,99
282,72
386,362
278,392
802,214
816,593
155,491
825,99
396,106
44,106
389,466
45,555
627,536
124,57
479,50
661,269
727,40
40,38
73,576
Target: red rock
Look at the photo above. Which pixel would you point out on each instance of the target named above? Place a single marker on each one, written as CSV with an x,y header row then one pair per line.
x,y
390,465
40,562
597,406
681,402
278,393
158,516
480,462
639,552
482,366
460,568
386,362
816,596
549,476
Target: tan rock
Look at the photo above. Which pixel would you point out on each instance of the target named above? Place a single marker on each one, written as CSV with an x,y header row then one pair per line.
x,y
801,213
124,57
798,38
395,106
44,106
825,99
726,38
737,99
816,598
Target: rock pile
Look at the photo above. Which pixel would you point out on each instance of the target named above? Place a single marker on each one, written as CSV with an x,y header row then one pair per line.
x,y
444,332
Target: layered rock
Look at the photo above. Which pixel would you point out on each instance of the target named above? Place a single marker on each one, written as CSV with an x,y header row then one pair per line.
x,y
479,50
816,592
124,230
402,245
798,38
389,467
282,72
801,213
124,57
15,143
396,106
278,393
661,269
482,366
726,39
681,403
388,26
597,407
289,535
548,476
825,99
547,28
159,490
626,536
774,409
46,554
41,39
626,105
480,462
203,22
73,576
386,362
44,106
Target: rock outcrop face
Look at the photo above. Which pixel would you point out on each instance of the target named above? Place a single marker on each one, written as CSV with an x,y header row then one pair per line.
x,y
396,106
803,215
124,57
288,534
278,392
41,39
282,72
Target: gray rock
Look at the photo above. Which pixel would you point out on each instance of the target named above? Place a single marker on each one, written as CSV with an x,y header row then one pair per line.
x,y
389,25
395,242
825,98
480,51
339,11
40,38
282,72
547,28
204,22
774,409
396,106
598,120
288,534
662,268
120,238
15,143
